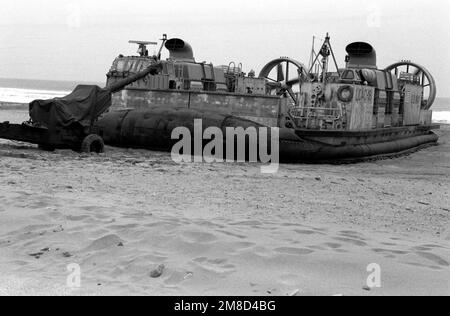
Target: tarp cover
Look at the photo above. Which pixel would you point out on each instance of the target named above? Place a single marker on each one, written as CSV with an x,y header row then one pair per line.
x,y
81,106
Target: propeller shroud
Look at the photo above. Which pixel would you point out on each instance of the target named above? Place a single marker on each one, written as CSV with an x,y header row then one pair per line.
x,y
426,79
284,85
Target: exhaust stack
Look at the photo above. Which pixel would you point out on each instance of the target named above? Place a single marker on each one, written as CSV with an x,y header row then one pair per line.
x,y
180,50
361,55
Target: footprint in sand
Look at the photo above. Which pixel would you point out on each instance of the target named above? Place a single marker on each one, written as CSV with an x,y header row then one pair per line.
x,y
332,245
98,209
351,234
291,225
433,258
218,265
178,277
199,237
235,248
242,245
207,224
154,258
164,225
30,232
321,230
254,224
421,248
390,252
317,248
294,251
104,243
306,232
431,246
415,264
389,244
79,218
232,234
352,241
127,227
42,203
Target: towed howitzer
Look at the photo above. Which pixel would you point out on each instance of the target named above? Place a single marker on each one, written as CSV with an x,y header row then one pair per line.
x,y
68,122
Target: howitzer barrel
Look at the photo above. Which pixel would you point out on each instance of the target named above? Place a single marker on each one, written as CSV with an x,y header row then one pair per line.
x,y
120,85
22,133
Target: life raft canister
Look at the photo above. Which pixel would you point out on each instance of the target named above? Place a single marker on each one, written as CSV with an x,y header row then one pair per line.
x,y
345,94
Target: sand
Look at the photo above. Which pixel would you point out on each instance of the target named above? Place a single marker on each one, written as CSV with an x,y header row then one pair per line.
x,y
138,224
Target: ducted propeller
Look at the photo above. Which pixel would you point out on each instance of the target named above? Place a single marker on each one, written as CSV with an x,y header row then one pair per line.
x,y
283,85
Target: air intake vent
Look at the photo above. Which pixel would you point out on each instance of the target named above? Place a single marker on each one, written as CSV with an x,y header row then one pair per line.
x,y
361,55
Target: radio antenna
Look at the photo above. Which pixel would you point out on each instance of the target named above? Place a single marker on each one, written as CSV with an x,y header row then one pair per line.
x,y
164,40
143,51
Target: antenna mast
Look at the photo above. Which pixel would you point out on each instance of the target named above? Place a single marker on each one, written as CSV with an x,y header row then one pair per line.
x,y
325,51
164,40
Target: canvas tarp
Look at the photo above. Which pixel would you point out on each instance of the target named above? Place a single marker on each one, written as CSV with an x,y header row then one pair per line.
x,y
83,105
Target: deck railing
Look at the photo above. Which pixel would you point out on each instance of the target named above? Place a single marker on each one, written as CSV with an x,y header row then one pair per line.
x,y
318,117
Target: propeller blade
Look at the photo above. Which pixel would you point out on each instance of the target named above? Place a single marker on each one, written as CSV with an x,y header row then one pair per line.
x,y
274,85
280,74
293,82
292,94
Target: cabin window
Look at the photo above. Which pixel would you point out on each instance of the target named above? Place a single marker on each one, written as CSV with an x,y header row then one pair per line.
x,y
122,65
348,75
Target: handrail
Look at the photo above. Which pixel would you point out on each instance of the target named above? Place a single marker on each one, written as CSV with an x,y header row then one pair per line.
x,y
312,113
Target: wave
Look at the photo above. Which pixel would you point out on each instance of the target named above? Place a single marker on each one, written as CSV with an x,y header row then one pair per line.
x,y
441,117
15,95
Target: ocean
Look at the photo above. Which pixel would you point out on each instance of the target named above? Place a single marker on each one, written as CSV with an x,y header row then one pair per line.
x,y
25,91
441,110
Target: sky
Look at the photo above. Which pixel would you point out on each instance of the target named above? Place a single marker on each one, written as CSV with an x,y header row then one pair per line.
x,y
77,40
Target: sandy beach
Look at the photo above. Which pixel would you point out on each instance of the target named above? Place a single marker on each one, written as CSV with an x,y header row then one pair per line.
x,y
221,229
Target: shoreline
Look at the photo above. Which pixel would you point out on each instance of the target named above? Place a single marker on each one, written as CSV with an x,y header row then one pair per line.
x,y
13,106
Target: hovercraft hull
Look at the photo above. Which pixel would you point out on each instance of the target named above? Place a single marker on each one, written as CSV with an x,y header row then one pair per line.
x,y
152,129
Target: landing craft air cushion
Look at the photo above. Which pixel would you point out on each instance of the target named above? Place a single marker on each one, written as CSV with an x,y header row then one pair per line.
x,y
353,113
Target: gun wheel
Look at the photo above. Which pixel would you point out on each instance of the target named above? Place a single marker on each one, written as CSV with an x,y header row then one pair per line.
x,y
93,144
